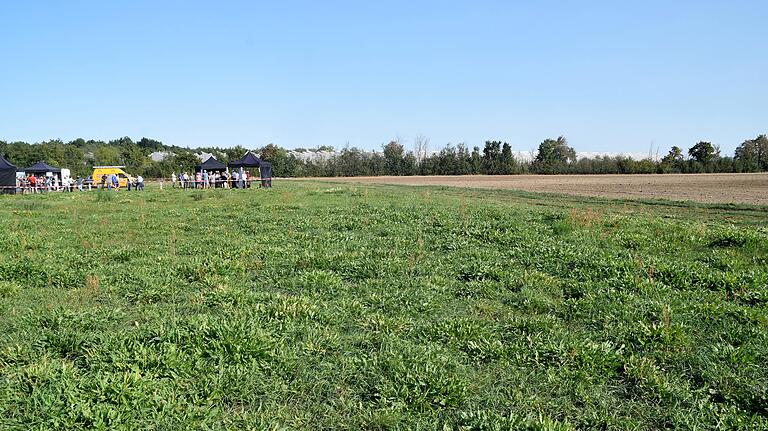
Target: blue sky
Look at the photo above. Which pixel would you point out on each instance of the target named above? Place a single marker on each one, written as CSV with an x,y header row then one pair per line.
x,y
610,76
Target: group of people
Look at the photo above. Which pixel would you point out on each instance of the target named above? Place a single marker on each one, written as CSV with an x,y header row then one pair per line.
x,y
211,180
112,181
43,183
200,180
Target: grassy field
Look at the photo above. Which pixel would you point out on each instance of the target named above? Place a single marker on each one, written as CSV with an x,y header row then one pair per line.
x,y
326,306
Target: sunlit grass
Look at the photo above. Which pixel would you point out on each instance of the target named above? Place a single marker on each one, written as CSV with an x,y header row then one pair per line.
x,y
328,306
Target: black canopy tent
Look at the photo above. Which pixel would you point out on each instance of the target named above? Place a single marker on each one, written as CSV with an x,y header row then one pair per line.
x,y
41,168
249,160
7,176
211,164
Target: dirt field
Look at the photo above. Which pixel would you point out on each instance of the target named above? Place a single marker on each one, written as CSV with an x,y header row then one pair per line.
x,y
712,188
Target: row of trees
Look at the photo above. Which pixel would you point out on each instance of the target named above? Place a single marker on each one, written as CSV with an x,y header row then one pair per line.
x,y
554,156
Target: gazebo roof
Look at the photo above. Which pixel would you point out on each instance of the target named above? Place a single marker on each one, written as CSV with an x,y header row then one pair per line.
x,y
211,164
41,167
5,164
249,160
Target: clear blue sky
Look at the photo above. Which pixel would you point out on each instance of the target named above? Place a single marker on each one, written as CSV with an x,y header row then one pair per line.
x,y
609,75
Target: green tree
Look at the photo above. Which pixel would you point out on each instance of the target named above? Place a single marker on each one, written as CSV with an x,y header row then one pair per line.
x,y
121,142
74,160
752,154
410,164
79,142
184,161
554,155
134,158
394,158
233,153
21,154
52,152
507,160
704,152
106,156
270,152
675,155
283,164
352,162
150,145
476,161
492,157
673,161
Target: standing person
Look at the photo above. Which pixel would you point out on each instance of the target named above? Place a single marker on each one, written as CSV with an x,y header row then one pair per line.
x,y
32,184
173,179
140,183
206,179
103,180
186,180
80,183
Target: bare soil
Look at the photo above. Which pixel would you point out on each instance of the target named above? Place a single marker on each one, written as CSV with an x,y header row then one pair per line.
x,y
710,188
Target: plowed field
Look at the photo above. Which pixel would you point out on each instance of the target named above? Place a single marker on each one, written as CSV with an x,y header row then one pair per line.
x,y
711,188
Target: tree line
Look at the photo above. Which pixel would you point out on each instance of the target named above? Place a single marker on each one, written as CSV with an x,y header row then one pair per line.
x,y
554,156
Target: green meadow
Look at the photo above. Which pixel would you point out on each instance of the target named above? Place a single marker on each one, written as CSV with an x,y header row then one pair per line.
x,y
324,306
